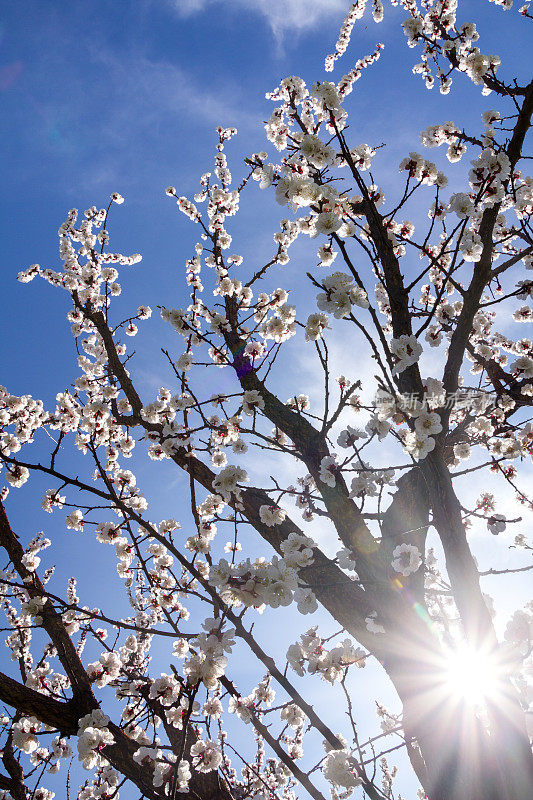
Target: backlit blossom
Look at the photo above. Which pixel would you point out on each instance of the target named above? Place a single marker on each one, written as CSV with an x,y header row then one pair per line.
x,y
406,559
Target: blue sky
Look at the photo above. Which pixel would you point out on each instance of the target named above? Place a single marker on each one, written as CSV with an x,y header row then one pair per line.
x,y
125,96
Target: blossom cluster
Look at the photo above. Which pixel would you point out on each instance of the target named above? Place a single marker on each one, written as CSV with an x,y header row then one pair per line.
x,y
310,655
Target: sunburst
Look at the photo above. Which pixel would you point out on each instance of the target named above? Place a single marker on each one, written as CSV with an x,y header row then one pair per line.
x,y
473,676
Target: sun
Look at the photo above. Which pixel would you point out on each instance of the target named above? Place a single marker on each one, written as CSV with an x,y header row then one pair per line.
x,y
472,675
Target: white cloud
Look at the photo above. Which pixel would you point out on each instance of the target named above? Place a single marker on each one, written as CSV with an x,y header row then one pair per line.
x,y
281,15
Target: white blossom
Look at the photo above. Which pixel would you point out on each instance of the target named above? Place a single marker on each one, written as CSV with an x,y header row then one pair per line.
x,y
406,559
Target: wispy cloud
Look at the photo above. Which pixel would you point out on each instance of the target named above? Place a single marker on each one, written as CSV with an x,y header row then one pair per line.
x,y
282,15
157,103
130,119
